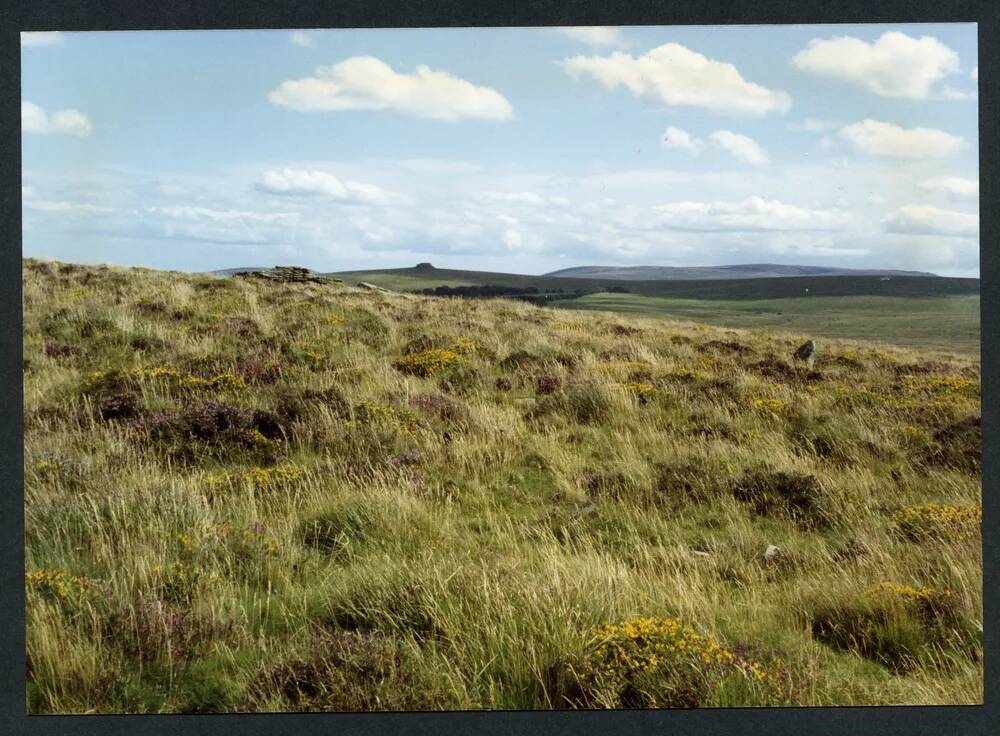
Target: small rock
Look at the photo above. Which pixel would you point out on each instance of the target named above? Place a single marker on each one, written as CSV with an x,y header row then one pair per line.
x,y
771,552
372,287
699,553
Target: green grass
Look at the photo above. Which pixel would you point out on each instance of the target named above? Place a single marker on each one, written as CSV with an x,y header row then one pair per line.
x,y
243,495
925,312
942,323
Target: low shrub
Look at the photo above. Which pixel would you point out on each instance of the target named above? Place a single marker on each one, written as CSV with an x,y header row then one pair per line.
x,y
660,663
899,626
547,384
217,427
346,671
796,496
426,363
958,446
935,521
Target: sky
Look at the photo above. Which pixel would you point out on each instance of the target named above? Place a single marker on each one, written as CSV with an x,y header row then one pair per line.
x,y
520,150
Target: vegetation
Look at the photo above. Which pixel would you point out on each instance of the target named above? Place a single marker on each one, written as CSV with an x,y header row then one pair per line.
x,y
780,287
949,323
914,311
257,495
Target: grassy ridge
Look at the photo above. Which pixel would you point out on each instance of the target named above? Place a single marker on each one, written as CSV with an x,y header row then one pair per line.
x,y
246,495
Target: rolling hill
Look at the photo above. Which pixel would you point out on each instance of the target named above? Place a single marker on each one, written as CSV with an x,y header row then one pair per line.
x,y
742,271
409,279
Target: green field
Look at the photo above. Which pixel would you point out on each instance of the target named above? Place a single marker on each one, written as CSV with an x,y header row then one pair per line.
x,y
925,312
948,323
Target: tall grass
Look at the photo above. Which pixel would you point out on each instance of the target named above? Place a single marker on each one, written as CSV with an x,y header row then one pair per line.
x,y
247,496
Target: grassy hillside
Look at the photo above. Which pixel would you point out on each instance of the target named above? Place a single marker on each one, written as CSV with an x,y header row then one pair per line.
x,y
940,323
248,495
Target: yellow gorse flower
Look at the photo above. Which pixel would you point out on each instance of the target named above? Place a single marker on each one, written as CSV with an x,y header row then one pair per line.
x,y
777,407
931,519
649,644
464,345
221,382
57,583
426,363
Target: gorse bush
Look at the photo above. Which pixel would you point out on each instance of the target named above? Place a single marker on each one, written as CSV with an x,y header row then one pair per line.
x,y
426,363
660,663
293,494
931,520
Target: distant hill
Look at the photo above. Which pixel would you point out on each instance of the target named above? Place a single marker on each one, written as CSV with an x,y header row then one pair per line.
x,y
771,287
234,271
743,271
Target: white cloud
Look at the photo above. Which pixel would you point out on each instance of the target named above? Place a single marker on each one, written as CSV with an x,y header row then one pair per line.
x,y
366,83
953,93
751,214
674,75
34,119
27,191
681,139
742,148
208,225
885,139
33,39
975,73
171,190
71,207
922,219
299,38
188,212
896,65
955,187
303,183
512,197
811,125
595,35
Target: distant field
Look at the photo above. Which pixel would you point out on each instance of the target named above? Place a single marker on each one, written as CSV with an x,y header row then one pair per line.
x,y
948,323
922,312
788,287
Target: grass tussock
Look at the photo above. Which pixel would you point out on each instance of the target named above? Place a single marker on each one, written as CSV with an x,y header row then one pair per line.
x,y
267,494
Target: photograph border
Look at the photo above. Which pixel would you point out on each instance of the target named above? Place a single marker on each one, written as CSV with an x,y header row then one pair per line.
x,y
97,15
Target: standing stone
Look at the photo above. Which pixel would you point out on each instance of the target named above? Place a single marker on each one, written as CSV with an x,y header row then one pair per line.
x,y
807,353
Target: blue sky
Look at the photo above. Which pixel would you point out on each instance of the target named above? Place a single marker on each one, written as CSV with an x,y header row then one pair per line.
x,y
521,150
